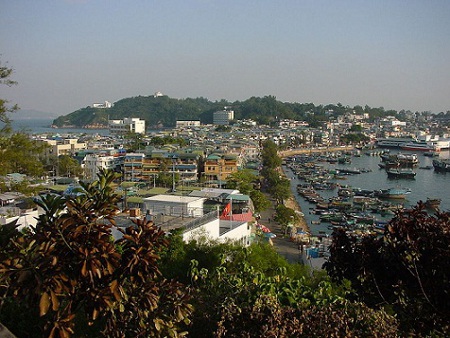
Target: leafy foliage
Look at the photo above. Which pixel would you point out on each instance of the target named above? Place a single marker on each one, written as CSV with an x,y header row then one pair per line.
x,y
354,138
75,275
5,78
260,201
268,318
407,269
68,166
285,215
20,154
245,302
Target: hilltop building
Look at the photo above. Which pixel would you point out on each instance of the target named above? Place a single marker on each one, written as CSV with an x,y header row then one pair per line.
x,y
104,105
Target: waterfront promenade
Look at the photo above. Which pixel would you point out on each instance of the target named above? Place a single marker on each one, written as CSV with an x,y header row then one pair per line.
x,y
283,244
297,151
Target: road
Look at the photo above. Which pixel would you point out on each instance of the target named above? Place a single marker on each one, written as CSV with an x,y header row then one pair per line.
x,y
282,243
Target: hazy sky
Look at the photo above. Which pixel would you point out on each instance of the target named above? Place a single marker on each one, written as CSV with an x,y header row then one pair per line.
x,y
69,54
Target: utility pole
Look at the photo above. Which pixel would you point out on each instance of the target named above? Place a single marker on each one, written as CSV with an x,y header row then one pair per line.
x,y
173,174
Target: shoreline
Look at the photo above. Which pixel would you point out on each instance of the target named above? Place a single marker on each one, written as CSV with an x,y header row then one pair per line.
x,y
292,203
301,223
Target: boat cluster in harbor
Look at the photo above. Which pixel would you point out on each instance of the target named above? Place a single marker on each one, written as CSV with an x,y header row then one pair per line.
x,y
357,210
399,165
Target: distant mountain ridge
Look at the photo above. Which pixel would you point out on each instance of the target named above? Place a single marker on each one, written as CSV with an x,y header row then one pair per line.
x,y
163,111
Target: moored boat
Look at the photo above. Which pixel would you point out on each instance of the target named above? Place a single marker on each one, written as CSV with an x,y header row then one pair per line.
x,y
420,146
431,153
348,171
400,173
432,203
441,165
396,193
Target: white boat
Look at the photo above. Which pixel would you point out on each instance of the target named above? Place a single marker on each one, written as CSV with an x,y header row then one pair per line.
x,y
394,142
420,146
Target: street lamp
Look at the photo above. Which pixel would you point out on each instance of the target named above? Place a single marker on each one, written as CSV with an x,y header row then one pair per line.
x,y
173,174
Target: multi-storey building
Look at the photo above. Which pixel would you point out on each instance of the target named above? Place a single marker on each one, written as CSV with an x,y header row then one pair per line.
x,y
150,169
223,117
133,167
92,163
217,168
133,125
184,164
64,146
187,166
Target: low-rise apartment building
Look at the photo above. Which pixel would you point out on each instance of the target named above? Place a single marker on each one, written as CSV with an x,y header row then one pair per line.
x,y
127,125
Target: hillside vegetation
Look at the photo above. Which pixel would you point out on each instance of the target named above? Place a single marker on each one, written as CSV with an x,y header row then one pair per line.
x,y
164,111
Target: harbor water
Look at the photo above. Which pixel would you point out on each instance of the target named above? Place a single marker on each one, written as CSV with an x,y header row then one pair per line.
x,y
43,126
427,183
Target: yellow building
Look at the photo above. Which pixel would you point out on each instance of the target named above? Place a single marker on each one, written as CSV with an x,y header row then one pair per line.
x,y
219,167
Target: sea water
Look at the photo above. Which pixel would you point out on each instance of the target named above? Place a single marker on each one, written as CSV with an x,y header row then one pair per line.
x,y
428,183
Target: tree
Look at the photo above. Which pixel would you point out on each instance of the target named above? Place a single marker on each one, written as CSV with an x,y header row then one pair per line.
x,y
243,180
68,166
406,269
20,154
134,141
354,138
226,129
260,201
269,155
5,74
238,300
73,275
165,177
285,215
356,128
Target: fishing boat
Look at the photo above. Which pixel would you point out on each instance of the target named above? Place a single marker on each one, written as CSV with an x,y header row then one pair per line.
x,y
400,173
431,154
401,160
348,171
433,203
344,160
441,165
395,193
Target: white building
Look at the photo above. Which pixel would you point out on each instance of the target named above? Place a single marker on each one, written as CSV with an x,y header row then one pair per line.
x,y
104,105
391,121
173,205
134,125
193,123
92,163
64,146
210,227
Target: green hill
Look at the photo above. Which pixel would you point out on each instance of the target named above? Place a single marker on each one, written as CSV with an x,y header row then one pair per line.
x,y
164,111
